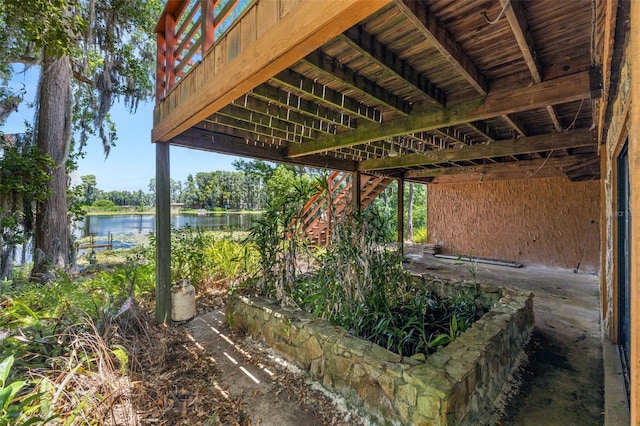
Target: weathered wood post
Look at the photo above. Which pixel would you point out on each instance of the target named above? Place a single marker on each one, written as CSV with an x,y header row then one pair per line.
x,y
356,192
163,234
401,216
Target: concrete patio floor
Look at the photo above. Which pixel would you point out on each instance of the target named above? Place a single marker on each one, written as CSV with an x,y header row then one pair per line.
x,y
564,382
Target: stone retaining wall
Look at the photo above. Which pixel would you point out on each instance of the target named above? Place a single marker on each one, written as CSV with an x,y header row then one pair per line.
x,y
457,385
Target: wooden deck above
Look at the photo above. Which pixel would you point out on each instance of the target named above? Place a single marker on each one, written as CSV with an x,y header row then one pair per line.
x,y
429,91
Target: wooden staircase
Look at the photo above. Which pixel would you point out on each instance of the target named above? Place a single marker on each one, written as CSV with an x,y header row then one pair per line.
x,y
316,216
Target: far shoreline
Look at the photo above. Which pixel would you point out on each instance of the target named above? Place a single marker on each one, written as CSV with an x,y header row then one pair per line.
x,y
189,212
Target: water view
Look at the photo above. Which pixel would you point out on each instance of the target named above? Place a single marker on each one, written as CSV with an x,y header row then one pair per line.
x,y
125,227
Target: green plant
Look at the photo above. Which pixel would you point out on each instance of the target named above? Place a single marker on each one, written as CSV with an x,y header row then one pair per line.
x,y
420,235
229,260
278,236
14,409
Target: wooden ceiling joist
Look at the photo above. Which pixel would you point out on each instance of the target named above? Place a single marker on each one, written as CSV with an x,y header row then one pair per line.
x,y
528,145
482,128
564,89
418,12
518,23
206,140
391,64
516,124
285,114
326,65
291,101
253,118
236,123
325,95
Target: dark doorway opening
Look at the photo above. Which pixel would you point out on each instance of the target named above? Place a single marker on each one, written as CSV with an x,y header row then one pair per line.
x,y
624,262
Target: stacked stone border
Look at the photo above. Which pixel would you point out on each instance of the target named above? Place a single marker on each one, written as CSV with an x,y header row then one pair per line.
x,y
457,385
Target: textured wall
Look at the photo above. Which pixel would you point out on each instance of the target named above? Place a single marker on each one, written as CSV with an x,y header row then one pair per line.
x,y
536,221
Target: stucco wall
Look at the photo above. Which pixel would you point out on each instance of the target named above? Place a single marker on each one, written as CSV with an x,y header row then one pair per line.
x,y
550,221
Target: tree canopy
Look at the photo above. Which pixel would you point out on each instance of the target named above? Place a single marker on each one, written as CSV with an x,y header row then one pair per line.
x,y
90,53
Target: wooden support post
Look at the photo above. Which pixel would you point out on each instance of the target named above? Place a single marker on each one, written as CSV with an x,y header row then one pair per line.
x,y
207,25
634,177
401,216
161,63
170,52
356,192
163,234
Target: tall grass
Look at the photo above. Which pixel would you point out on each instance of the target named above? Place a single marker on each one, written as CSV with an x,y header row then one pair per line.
x,y
357,282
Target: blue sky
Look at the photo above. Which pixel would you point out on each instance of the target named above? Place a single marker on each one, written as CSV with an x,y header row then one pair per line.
x,y
131,163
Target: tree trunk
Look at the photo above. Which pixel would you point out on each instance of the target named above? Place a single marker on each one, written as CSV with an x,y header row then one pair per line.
x,y
53,134
410,214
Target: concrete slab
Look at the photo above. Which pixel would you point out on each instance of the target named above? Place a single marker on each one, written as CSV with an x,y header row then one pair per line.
x,y
564,383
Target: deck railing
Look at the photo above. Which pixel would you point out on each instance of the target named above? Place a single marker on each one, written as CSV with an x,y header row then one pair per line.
x,y
186,30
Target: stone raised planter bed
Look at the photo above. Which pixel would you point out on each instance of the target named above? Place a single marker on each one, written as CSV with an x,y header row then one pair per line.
x,y
457,385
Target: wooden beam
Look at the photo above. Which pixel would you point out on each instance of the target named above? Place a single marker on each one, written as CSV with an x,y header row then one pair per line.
x,y
516,124
292,101
315,23
518,22
528,145
163,234
634,178
253,118
418,12
288,115
400,216
206,140
610,16
482,128
253,128
494,175
325,95
356,191
513,166
390,63
326,65
448,133
564,89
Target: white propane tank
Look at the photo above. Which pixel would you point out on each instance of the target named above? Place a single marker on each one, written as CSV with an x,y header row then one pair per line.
x,y
183,301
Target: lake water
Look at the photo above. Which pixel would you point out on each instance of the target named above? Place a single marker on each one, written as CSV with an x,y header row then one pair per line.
x,y
144,223
126,227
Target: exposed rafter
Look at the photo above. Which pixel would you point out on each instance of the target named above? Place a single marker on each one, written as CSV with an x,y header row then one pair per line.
x,y
482,128
418,12
244,124
450,135
291,101
516,123
391,64
226,144
326,65
561,90
253,118
326,95
518,22
528,145
285,114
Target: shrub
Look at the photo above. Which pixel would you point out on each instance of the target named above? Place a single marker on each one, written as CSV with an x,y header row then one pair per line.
x,y
103,204
420,235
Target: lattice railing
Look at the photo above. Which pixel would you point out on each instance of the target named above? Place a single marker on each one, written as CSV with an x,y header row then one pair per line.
x,y
186,31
